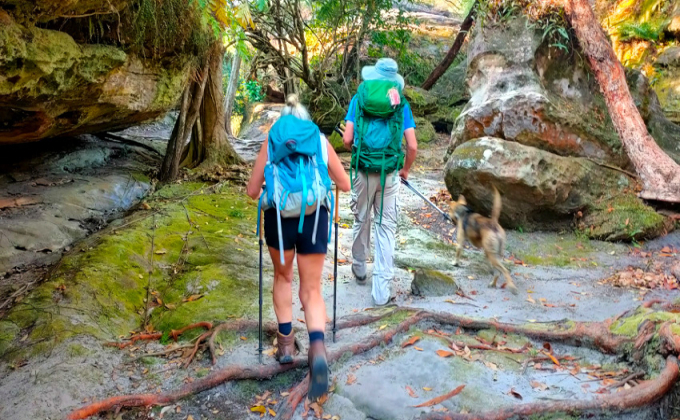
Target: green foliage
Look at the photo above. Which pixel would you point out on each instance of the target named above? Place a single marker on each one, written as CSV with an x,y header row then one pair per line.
x,y
646,31
248,92
546,17
160,28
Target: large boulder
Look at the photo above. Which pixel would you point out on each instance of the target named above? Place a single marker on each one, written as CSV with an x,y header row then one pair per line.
x,y
421,101
542,190
525,91
56,82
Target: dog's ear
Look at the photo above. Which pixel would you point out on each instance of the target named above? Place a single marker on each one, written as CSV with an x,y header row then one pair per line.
x,y
461,200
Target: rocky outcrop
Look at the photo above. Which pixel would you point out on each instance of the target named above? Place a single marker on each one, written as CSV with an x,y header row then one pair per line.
x,y
58,194
538,128
524,91
52,86
547,191
257,121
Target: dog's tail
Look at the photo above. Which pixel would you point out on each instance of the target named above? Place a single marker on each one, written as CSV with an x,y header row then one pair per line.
x,y
497,204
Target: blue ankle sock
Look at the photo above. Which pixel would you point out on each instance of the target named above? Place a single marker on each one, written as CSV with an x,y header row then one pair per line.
x,y
315,336
286,328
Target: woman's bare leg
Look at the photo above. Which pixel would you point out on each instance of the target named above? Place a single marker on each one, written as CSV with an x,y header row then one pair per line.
x,y
283,281
310,267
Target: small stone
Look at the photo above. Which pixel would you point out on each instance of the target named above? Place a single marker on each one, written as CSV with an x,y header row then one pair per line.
x,y
427,282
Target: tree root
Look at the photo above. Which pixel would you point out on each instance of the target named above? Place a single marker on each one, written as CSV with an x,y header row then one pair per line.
x,y
589,334
237,372
297,394
641,395
157,336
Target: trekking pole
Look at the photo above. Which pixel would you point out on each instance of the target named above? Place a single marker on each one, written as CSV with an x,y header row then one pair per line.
x,y
421,195
259,349
335,262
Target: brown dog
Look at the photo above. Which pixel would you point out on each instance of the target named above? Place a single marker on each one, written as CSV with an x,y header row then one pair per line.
x,y
482,232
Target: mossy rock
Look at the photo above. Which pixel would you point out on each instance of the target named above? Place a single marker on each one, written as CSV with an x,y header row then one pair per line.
x,y
623,217
428,282
421,101
425,132
336,141
444,119
204,269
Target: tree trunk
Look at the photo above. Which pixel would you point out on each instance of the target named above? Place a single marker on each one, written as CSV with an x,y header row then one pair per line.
x,y
231,92
659,174
453,52
203,98
216,150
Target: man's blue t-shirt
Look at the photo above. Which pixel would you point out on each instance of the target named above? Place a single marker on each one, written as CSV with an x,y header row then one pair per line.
x,y
408,115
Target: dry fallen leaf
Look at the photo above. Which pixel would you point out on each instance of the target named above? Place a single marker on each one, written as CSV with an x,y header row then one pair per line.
x,y
417,348
411,392
271,412
382,327
427,388
351,379
411,341
441,398
539,385
530,300
444,353
259,409
515,393
490,365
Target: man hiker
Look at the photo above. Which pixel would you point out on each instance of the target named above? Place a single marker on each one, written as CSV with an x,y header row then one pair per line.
x,y
378,119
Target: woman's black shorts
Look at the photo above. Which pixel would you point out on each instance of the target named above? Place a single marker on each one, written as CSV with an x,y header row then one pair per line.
x,y
301,242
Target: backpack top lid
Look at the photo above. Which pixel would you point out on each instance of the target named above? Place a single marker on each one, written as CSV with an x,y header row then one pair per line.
x,y
291,135
380,98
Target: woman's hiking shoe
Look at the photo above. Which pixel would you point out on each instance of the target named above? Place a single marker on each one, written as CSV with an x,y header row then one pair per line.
x,y
361,280
318,371
285,347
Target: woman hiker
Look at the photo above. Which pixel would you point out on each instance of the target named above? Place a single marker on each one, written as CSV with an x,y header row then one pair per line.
x,y
297,154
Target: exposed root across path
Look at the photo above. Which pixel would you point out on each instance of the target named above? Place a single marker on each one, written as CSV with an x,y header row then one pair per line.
x,y
595,335
641,395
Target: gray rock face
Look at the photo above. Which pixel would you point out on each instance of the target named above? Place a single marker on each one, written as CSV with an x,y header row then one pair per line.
x,y
427,282
58,195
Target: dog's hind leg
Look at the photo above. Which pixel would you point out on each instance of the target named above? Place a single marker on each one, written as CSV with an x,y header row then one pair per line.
x,y
500,267
460,241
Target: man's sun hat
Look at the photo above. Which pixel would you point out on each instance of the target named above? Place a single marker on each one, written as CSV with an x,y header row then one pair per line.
x,y
384,69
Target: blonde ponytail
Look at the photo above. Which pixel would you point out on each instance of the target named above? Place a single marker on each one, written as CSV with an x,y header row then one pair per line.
x,y
295,108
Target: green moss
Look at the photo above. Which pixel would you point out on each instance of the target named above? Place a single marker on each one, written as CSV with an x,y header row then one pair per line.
x,y
105,286
425,131
8,334
78,350
629,325
336,141
169,87
421,101
622,217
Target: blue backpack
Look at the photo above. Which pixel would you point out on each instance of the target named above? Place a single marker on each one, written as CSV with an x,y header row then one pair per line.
x,y
296,174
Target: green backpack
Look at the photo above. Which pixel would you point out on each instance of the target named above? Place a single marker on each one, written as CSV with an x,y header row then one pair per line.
x,y
379,130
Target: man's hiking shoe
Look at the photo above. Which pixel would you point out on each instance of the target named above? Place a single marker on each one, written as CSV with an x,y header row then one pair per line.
x,y
318,371
285,347
361,280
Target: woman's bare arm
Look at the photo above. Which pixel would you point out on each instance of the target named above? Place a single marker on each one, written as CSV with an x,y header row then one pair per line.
x,y
336,170
257,176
